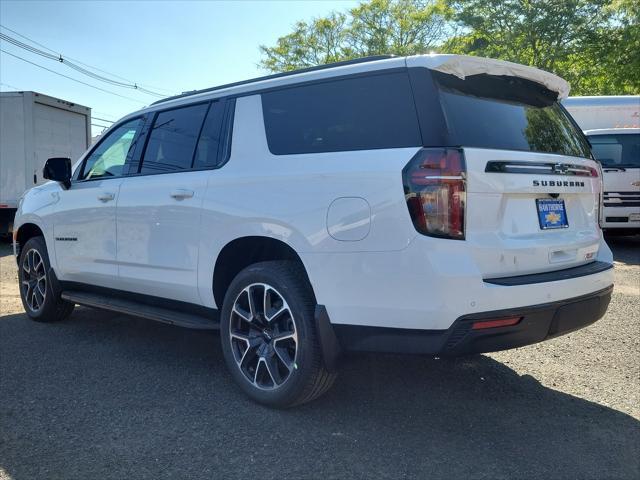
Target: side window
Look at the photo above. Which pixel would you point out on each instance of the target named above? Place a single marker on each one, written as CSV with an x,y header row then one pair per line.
x,y
617,150
206,155
108,159
172,140
361,113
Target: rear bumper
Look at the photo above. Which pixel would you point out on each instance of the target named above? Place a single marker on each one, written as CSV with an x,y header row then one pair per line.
x,y
620,218
434,282
537,323
554,276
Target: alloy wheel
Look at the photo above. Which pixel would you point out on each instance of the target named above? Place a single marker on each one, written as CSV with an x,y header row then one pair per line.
x,y
34,280
263,336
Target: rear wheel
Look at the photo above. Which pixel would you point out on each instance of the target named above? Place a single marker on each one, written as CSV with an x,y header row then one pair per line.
x,y
38,298
268,335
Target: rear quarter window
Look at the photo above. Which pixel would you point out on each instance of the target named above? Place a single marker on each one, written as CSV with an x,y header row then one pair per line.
x,y
362,113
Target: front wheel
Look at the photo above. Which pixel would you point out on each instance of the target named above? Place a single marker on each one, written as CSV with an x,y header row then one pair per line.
x,y
37,295
268,335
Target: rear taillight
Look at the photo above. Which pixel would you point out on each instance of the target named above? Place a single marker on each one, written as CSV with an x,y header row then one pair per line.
x,y
584,171
434,187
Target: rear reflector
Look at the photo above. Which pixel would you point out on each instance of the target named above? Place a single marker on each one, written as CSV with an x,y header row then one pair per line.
x,y
496,323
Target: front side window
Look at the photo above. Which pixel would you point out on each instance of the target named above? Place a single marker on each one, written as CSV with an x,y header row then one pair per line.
x,y
172,140
108,159
621,150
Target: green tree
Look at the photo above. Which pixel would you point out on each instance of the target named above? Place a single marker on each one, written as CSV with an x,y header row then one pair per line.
x,y
594,44
533,32
401,27
318,42
618,50
591,43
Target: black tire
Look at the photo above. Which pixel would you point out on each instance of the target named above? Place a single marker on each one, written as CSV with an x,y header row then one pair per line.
x,y
52,308
309,378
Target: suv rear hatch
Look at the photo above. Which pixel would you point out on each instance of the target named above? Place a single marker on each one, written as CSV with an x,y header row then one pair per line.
x,y
530,189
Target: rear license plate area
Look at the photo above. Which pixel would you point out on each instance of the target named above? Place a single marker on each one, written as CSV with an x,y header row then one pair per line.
x,y
552,213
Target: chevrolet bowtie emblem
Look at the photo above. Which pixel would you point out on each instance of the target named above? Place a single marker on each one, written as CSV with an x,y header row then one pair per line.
x,y
561,168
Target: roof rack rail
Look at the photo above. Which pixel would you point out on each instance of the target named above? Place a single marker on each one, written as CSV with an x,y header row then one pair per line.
x,y
371,58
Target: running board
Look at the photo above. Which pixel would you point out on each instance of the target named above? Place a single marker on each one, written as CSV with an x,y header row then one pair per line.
x,y
138,309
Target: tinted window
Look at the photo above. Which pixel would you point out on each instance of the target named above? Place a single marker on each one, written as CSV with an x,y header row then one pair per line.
x,y
109,157
351,114
172,139
507,113
206,155
617,150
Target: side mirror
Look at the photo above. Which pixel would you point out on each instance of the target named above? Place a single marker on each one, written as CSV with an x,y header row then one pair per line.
x,y
59,170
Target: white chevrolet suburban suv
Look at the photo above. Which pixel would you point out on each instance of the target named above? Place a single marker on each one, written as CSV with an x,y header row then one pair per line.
x,y
433,204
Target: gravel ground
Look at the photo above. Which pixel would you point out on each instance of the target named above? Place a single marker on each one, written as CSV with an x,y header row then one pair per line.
x,y
108,396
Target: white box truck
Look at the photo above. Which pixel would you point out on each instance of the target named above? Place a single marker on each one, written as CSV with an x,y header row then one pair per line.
x,y
34,127
612,125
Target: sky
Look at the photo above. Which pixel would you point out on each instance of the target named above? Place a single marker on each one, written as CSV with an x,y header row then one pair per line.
x,y
168,47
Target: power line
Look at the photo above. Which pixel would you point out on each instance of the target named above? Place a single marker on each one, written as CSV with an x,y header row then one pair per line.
x,y
167,92
107,116
10,86
101,119
71,78
92,117
59,56
84,71
31,40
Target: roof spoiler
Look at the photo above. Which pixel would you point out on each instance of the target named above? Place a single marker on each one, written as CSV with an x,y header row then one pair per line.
x,y
464,65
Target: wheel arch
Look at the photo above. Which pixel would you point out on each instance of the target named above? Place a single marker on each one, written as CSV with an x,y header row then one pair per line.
x,y
24,233
244,251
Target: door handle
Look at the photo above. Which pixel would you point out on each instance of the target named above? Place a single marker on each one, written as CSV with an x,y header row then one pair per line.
x,y
106,196
181,194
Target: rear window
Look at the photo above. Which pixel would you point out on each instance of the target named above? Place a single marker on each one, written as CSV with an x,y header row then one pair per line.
x,y
509,113
621,150
362,113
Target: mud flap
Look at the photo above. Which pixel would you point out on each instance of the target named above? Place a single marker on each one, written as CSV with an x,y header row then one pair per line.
x,y
329,344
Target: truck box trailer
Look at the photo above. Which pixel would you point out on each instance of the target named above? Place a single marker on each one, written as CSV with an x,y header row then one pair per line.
x,y
34,127
607,111
612,125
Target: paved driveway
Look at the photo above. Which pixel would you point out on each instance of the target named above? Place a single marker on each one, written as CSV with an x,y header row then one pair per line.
x,y
109,396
